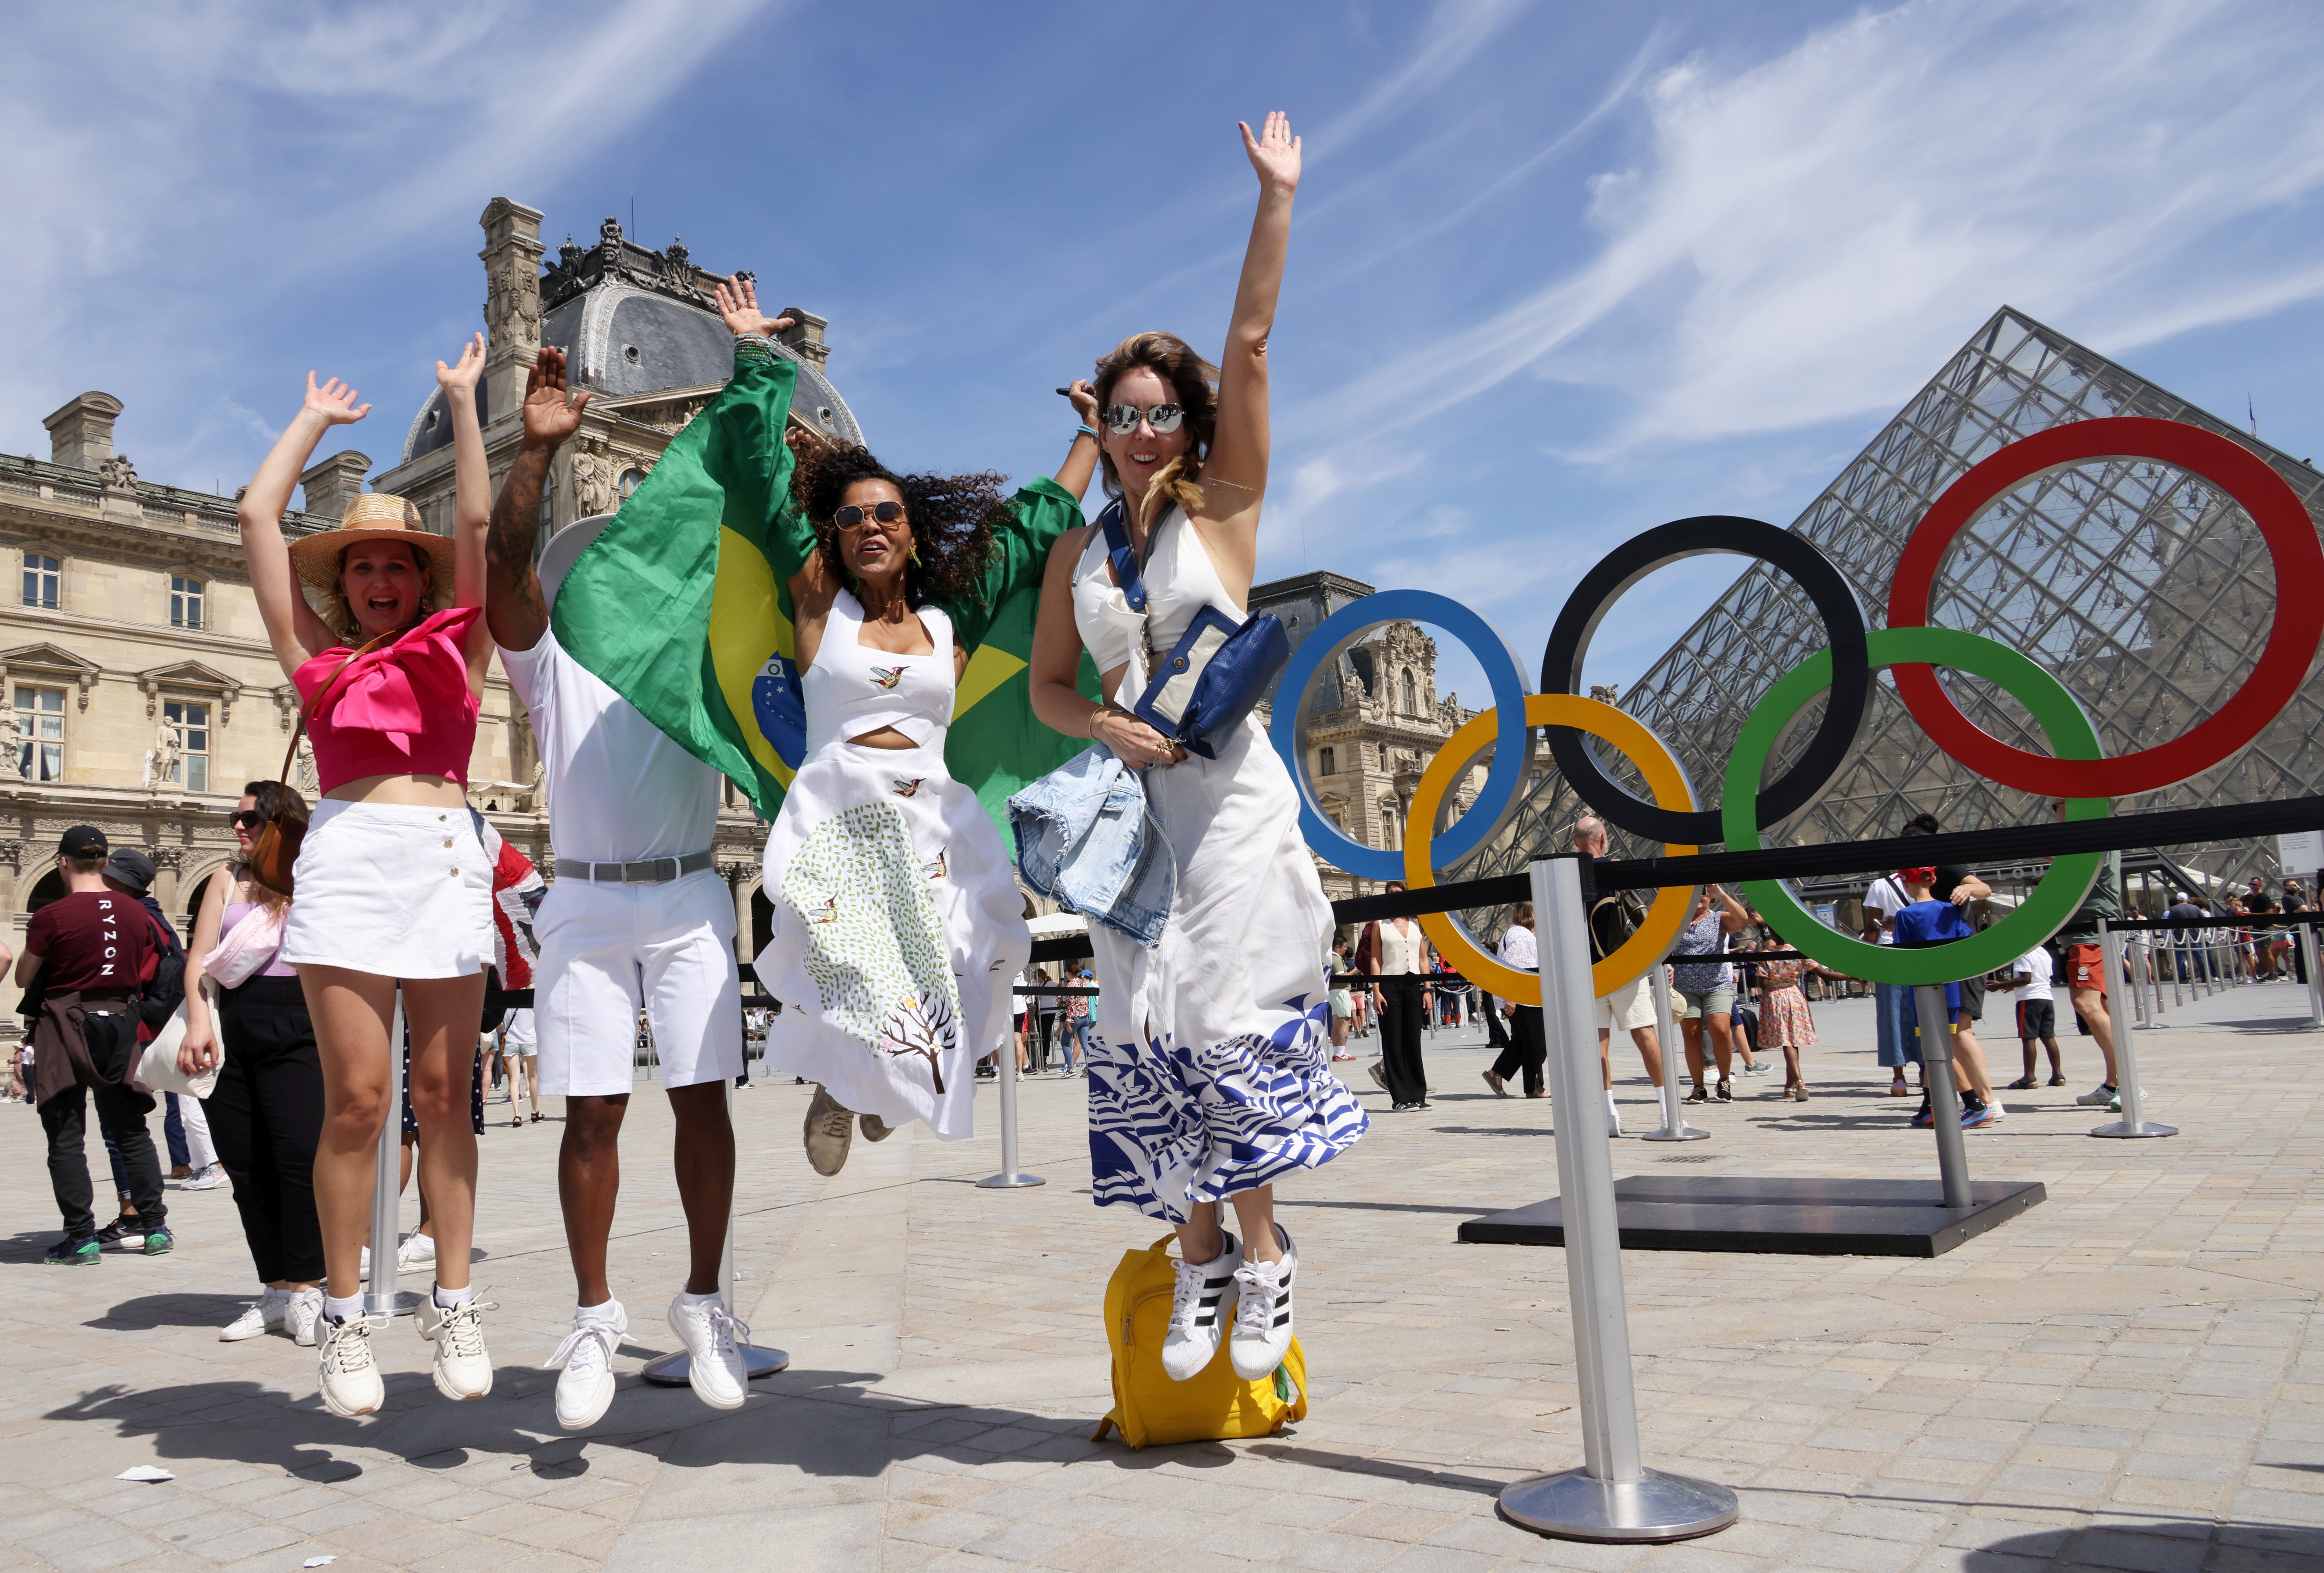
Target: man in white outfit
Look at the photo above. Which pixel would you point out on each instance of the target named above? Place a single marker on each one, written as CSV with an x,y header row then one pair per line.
x,y
637,919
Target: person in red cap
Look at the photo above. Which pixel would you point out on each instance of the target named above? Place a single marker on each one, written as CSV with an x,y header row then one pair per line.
x,y
1927,920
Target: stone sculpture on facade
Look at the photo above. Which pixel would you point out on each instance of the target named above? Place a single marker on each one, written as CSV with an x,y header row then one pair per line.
x,y
11,746
118,473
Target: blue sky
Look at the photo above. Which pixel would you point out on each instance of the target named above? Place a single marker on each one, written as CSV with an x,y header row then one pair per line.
x,y
1560,272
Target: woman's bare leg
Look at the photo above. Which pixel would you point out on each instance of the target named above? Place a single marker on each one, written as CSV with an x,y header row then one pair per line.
x,y
441,1013
1690,1033
350,1011
1199,1238
1255,1211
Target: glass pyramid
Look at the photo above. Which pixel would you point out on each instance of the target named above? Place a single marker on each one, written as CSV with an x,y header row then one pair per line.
x,y
2145,590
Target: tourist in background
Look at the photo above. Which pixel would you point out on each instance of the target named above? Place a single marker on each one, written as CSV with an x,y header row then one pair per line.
x,y
1706,988
266,1111
1527,1053
394,885
2033,1002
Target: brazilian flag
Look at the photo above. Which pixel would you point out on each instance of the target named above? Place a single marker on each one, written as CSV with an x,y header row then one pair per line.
x,y
681,605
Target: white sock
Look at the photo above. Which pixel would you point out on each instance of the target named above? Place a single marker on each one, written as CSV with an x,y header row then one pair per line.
x,y
339,1310
452,1299
275,1296
609,1311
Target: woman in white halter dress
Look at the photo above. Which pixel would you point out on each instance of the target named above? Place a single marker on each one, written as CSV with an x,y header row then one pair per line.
x,y
1211,1075
897,926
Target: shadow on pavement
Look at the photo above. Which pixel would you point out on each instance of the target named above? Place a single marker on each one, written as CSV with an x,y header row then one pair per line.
x,y
148,1312
2189,1544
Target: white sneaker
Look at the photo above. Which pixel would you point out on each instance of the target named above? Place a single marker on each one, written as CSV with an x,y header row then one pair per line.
x,y
262,1316
585,1387
828,1130
209,1177
463,1369
417,1251
2098,1097
1204,1300
715,1368
1613,1116
1262,1318
351,1383
301,1313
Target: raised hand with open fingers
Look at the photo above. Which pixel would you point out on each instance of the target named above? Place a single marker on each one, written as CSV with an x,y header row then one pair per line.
x,y
462,377
1274,152
551,412
738,308
335,401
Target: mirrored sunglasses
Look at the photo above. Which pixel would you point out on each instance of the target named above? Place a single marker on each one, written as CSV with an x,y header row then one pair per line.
x,y
1163,418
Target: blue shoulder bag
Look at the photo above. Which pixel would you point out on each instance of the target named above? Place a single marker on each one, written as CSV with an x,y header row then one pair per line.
x,y
1198,694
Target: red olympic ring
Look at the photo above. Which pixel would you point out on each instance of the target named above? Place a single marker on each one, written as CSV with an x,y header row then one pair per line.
x,y
2292,640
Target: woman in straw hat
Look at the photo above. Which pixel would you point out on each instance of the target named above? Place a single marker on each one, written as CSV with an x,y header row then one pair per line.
x,y
388,648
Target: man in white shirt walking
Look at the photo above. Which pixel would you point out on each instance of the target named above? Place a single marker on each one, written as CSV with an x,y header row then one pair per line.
x,y
637,919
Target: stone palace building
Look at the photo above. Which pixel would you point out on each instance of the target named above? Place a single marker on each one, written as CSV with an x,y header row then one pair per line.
x,y
143,693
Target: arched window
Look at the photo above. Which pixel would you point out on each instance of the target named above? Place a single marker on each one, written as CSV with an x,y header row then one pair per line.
x,y
630,482
1411,706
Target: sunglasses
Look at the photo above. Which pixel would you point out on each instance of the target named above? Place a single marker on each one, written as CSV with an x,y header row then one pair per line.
x,y
247,819
1163,418
851,516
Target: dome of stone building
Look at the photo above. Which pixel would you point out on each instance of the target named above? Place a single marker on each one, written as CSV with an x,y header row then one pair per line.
x,y
633,322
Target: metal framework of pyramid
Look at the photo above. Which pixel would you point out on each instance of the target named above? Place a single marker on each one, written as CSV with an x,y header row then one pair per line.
x,y
2144,589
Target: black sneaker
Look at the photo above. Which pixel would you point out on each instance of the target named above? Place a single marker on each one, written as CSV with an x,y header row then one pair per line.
x,y
1927,1117
118,1230
1408,1107
71,1251
1726,1092
1698,1095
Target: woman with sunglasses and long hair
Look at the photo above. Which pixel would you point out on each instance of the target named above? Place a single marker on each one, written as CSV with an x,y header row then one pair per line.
x,y
393,881
897,926
266,1111
1210,1077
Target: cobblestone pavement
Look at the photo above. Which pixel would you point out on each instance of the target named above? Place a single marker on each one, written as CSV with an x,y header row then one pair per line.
x,y
2126,1378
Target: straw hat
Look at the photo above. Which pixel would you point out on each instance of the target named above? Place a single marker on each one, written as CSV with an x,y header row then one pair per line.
x,y
372,516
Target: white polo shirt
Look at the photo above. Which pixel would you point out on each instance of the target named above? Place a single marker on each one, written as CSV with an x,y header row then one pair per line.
x,y
618,789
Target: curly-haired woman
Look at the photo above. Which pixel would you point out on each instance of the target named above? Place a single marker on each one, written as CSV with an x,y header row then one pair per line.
x,y
898,926
394,884
1210,1077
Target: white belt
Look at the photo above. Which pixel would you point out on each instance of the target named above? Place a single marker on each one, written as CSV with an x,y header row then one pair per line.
x,y
647,871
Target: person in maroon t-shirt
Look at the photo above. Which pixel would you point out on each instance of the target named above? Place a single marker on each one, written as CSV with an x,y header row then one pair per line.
x,y
90,951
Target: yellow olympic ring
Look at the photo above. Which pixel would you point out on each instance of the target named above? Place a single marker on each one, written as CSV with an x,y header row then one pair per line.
x,y
1666,777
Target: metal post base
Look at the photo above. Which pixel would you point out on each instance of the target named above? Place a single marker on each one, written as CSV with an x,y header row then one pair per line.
x,y
405,1302
2151,1026
1572,1506
670,1370
1009,1181
2123,1129
1685,1133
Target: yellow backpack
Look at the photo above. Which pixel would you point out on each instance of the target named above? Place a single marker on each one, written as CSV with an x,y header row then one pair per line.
x,y
1214,1405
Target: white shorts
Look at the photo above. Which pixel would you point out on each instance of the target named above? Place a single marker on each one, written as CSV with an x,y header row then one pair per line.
x,y
607,950
393,889
1628,1007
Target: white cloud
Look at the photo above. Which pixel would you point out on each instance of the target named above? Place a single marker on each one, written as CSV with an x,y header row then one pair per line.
x,y
1809,237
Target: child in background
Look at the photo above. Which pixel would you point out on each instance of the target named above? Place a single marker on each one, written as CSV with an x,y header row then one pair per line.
x,y
1929,922
2035,1001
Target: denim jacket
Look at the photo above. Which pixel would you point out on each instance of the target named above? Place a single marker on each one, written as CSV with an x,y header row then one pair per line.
x,y
1085,840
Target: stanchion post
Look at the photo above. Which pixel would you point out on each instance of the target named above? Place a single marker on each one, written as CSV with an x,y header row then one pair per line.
x,y
1010,1177
1673,1107
2125,1054
672,1370
1612,1497
387,1196
2314,980
1944,1098
2142,973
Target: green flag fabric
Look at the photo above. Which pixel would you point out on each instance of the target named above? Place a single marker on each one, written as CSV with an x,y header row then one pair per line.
x,y
682,605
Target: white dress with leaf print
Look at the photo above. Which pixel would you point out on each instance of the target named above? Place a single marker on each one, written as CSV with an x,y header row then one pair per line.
x,y
898,923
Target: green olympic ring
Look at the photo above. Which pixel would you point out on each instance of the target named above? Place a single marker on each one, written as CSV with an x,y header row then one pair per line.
x,y
2053,899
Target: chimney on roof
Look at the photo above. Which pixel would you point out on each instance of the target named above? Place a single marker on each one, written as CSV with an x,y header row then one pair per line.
x,y
333,483
81,435
805,333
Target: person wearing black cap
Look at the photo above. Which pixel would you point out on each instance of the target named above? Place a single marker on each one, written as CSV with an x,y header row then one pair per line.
x,y
131,872
91,952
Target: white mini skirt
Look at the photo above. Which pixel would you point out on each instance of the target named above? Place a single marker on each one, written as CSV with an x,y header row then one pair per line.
x,y
390,889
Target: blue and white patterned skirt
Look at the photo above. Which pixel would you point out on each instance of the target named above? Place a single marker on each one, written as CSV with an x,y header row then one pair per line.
x,y
1210,1073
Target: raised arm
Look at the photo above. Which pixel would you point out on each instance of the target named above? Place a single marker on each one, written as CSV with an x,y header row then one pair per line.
x,y
514,609
1235,477
1081,456
293,629
472,499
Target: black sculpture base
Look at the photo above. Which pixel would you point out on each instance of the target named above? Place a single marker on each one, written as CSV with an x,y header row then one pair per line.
x,y
1800,1218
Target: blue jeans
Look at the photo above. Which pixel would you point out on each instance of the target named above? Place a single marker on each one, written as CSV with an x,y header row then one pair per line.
x,y
1892,1006
1073,1030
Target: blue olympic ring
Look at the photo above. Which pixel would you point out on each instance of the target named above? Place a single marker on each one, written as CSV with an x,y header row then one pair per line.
x,y
1512,740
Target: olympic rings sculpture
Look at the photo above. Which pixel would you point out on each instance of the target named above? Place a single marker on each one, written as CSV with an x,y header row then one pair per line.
x,y
1909,647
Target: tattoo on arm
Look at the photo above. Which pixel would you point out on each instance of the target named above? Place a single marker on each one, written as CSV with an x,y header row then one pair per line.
x,y
513,598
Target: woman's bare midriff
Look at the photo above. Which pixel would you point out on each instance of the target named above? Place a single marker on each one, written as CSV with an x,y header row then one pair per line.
x,y
404,791
887,737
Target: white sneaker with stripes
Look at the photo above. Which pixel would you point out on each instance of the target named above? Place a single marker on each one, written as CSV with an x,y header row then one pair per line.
x,y
1199,1312
1262,1322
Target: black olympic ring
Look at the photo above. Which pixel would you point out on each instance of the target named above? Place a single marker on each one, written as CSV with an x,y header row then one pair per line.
x,y
1843,620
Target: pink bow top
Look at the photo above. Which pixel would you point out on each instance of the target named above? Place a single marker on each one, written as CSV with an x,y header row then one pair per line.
x,y
404,709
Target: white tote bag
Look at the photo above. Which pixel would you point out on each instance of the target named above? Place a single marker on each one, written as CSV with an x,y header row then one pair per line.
x,y
157,1067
